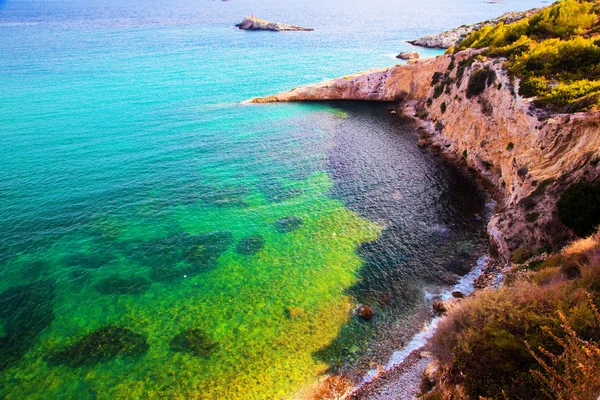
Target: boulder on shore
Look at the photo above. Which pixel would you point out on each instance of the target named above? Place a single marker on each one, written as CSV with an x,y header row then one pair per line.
x,y
408,55
255,24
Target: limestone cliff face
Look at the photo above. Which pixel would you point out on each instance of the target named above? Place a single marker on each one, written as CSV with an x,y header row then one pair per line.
x,y
401,82
530,157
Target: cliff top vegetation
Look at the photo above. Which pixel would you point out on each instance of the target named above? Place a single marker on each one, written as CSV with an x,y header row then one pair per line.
x,y
555,52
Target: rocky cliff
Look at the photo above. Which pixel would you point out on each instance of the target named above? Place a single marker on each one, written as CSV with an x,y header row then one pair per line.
x,y
256,24
468,109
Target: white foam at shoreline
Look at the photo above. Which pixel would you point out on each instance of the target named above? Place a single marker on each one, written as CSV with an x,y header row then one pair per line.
x,y
466,285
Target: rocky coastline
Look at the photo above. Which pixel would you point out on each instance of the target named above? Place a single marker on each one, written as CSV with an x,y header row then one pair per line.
x,y
526,157
255,24
453,37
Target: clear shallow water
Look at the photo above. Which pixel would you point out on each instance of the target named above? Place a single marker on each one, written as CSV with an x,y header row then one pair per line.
x,y
137,192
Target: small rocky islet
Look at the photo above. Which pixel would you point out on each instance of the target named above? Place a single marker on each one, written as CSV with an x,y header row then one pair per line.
x,y
255,24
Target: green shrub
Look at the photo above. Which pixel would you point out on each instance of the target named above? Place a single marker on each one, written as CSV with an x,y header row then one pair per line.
x,y
522,254
439,89
567,18
560,44
443,107
436,78
533,86
483,345
479,80
510,146
476,84
532,217
579,207
465,153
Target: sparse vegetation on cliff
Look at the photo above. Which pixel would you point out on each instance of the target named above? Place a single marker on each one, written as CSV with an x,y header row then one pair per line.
x,y
579,207
555,52
517,341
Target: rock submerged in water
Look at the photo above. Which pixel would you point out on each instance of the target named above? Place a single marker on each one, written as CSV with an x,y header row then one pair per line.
x,y
25,311
287,224
193,341
408,55
255,24
101,345
365,312
250,245
116,285
182,254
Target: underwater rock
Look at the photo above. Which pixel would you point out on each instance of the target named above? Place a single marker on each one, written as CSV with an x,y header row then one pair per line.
x,y
250,245
288,224
95,260
101,345
228,196
193,341
35,269
365,312
25,311
182,254
117,285
275,192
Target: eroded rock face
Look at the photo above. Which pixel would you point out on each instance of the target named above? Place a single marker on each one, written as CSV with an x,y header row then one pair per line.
x,y
256,24
530,156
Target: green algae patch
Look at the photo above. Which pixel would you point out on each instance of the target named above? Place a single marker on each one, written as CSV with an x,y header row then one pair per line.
x,y
248,327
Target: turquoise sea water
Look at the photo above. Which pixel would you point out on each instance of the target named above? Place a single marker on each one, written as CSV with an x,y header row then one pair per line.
x,y
160,239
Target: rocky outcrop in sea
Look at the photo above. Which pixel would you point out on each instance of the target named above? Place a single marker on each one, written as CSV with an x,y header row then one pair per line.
x,y
256,24
451,38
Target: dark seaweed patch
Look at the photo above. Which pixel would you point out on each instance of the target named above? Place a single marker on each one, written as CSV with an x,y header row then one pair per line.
x,y
276,192
101,345
116,285
95,260
182,254
25,311
225,197
250,245
193,341
287,224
